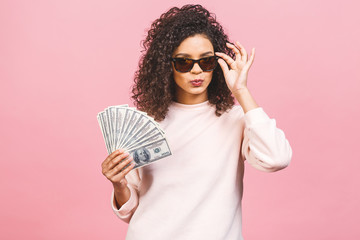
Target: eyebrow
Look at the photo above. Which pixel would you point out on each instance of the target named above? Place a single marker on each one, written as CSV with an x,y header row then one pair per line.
x,y
187,55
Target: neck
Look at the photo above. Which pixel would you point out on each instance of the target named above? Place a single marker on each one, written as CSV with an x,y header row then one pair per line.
x,y
191,98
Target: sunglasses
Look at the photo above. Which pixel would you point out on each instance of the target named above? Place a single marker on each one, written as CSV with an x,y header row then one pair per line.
x,y
207,64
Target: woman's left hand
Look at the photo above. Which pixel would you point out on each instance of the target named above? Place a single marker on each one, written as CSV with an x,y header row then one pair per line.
x,y
236,76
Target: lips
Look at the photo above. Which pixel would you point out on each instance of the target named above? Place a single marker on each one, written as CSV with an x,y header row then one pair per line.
x,y
197,82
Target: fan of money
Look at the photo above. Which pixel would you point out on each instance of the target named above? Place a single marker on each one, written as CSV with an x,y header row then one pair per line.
x,y
134,131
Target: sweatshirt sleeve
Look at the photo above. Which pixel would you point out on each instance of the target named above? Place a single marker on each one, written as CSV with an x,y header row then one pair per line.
x,y
126,211
264,146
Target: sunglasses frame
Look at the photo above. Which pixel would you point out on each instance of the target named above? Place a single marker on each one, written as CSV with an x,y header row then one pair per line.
x,y
195,61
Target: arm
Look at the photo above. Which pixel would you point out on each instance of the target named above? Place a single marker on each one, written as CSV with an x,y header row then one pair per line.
x,y
116,168
121,195
124,202
264,145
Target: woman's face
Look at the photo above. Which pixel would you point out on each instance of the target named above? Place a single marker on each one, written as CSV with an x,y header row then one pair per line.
x,y
191,87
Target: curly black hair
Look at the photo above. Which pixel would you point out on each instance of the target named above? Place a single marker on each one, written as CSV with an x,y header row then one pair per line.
x,y
154,85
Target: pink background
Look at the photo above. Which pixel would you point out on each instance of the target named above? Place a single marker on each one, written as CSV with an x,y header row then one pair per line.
x,y
61,62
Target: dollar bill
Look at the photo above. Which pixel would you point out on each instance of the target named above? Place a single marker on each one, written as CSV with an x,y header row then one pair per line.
x,y
133,117
149,153
151,136
135,131
146,128
110,121
103,121
139,124
104,134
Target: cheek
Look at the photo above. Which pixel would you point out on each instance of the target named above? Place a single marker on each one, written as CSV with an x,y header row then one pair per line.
x,y
175,74
178,77
209,76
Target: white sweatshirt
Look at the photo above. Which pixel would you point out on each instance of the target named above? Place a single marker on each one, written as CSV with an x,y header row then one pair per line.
x,y
196,193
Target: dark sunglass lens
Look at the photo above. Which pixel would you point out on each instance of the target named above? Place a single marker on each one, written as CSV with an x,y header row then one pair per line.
x,y
208,64
183,65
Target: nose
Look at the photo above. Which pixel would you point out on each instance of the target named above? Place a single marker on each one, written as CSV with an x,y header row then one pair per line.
x,y
196,68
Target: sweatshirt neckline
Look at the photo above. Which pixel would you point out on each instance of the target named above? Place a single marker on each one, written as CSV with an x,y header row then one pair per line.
x,y
192,106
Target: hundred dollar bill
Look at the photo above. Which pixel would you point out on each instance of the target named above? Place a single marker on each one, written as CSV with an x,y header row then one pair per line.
x,y
134,131
138,123
146,128
149,153
117,118
104,125
117,124
156,123
133,117
149,137
104,134
110,122
124,124
121,119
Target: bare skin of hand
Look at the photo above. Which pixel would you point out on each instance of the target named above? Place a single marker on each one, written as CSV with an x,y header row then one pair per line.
x,y
236,76
112,169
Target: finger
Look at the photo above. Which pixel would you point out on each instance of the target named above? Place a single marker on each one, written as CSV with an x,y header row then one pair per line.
x,y
115,161
244,55
238,54
125,171
251,60
252,57
227,59
223,66
120,176
112,162
120,167
111,156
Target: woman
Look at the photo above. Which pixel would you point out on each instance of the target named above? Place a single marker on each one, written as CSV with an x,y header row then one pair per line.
x,y
195,193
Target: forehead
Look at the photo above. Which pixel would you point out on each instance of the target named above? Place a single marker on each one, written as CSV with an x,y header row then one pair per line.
x,y
195,46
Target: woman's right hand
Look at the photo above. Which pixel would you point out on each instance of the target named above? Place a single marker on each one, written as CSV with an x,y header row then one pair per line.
x,y
112,168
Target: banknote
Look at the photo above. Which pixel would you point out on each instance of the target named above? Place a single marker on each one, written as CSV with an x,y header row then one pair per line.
x,y
134,131
138,124
149,153
104,133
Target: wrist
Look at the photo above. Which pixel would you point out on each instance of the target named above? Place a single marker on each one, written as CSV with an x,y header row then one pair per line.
x,y
240,93
245,99
119,187
121,197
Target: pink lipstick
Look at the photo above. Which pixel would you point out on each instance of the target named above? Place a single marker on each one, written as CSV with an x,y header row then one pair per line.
x,y
197,82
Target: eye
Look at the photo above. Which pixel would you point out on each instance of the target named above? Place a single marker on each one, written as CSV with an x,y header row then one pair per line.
x,y
183,61
208,59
